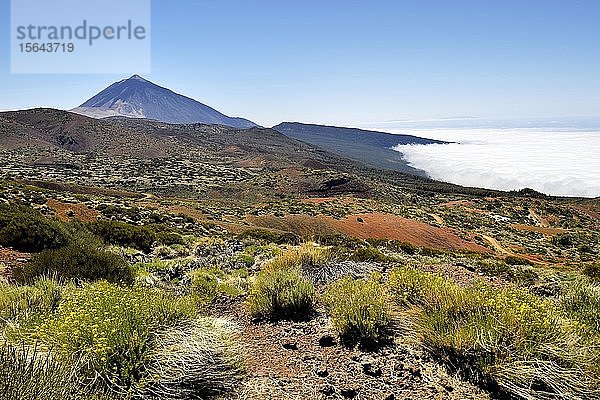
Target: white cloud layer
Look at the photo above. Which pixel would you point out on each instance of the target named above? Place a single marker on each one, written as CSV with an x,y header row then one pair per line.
x,y
557,162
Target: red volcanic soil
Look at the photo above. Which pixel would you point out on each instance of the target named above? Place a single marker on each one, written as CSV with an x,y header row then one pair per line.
x,y
68,211
9,259
366,226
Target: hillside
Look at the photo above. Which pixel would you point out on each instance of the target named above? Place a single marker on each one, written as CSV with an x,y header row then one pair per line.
x,y
142,259
370,147
88,151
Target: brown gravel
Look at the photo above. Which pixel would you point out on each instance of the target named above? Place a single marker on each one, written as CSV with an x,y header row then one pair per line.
x,y
305,360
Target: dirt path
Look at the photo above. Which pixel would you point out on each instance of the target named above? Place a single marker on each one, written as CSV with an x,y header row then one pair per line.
x,y
506,252
437,219
543,230
541,221
496,245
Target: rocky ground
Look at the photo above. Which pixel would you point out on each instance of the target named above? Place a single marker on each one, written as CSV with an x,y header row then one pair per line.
x,y
305,360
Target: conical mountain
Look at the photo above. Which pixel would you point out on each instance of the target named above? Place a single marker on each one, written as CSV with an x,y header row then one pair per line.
x,y
137,97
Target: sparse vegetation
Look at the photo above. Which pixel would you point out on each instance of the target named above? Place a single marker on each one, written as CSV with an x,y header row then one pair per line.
x,y
123,234
23,302
266,236
111,327
581,301
280,290
370,254
521,331
519,273
507,339
515,260
592,271
359,309
208,283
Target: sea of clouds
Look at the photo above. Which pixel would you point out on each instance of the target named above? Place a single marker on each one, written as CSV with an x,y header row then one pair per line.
x,y
556,160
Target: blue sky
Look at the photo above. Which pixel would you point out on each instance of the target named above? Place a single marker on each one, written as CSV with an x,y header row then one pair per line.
x,y
350,63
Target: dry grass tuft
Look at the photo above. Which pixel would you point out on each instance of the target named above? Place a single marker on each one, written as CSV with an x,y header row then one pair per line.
x,y
193,360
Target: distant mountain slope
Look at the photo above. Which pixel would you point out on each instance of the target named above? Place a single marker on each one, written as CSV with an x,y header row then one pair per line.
x,y
183,159
138,98
370,147
62,130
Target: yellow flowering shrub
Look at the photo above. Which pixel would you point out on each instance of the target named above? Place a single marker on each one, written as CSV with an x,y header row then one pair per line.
x,y
110,326
359,309
506,337
280,290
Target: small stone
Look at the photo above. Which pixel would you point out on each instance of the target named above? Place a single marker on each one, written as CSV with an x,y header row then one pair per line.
x,y
327,341
446,385
290,346
328,390
371,370
349,393
414,371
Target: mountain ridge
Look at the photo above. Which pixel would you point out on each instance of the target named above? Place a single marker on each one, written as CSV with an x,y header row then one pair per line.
x,y
370,147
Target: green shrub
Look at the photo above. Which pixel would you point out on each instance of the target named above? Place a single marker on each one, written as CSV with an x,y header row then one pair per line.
x,y
125,235
581,301
359,309
83,258
21,302
409,286
269,250
514,260
26,229
562,240
304,256
281,291
208,283
504,338
369,254
245,259
394,245
514,273
339,240
166,238
430,252
111,327
28,374
407,248
592,271
267,236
